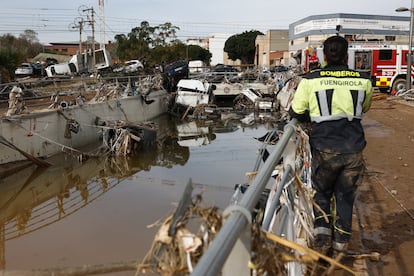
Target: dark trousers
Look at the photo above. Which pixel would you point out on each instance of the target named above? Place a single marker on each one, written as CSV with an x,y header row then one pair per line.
x,y
336,177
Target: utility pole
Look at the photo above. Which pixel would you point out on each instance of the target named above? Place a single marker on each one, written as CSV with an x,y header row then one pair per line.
x,y
91,21
80,34
93,43
101,25
410,44
78,24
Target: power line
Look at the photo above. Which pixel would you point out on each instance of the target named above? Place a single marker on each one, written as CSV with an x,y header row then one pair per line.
x,y
46,21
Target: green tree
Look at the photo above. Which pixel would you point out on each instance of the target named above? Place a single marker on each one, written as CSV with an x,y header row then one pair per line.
x,y
122,45
157,44
178,50
15,50
29,36
164,34
137,43
30,43
145,38
169,53
195,52
26,44
9,59
242,46
163,54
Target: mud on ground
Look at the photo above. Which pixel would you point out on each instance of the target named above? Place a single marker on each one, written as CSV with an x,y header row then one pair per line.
x,y
384,214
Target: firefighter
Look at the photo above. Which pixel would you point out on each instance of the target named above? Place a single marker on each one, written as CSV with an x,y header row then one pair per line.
x,y
334,99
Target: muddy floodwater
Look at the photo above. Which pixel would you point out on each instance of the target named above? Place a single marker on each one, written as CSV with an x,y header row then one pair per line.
x,y
98,211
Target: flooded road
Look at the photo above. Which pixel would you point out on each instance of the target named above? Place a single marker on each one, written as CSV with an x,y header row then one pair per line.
x,y
97,212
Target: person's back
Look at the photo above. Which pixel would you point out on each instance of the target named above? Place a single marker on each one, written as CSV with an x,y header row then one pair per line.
x,y
334,98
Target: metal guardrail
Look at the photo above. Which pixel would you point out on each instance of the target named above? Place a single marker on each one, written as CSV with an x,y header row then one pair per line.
x,y
276,202
239,215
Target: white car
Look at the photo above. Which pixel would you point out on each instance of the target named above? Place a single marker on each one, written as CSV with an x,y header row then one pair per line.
x,y
25,69
130,66
66,68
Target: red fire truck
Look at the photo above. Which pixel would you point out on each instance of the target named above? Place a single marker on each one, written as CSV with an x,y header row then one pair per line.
x,y
386,64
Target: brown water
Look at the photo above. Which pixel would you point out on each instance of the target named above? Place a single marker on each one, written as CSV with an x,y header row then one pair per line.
x,y
97,212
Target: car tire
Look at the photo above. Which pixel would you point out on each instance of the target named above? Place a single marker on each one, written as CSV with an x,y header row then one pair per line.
x,y
399,84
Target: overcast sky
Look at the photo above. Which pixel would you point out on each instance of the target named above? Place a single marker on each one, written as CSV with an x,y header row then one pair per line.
x,y
52,19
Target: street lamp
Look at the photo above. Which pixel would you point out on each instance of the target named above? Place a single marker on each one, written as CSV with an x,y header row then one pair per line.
x,y
410,43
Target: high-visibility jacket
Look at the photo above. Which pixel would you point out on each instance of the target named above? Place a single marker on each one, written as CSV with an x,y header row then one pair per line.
x,y
335,98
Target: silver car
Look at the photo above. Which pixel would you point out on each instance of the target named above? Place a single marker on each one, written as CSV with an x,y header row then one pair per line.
x,y
25,69
130,66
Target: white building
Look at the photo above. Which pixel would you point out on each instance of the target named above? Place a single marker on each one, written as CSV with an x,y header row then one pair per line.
x,y
216,47
310,32
199,41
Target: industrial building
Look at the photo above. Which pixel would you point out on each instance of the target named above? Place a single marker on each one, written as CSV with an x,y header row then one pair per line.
x,y
310,32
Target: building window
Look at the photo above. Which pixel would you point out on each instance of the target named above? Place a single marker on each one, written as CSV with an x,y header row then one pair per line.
x,y
64,50
390,38
385,54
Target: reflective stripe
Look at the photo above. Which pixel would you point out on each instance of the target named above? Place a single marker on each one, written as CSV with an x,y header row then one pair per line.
x,y
318,119
360,103
340,246
341,95
358,98
323,103
383,81
325,97
322,231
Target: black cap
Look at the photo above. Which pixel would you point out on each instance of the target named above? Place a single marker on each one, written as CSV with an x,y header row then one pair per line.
x,y
335,49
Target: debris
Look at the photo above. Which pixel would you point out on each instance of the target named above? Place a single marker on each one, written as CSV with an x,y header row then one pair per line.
x,y
124,139
176,249
16,102
374,256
